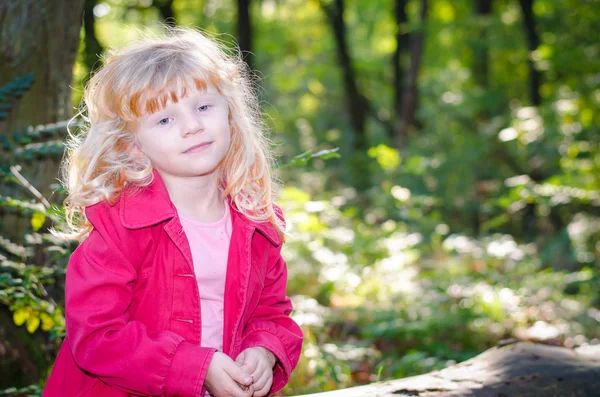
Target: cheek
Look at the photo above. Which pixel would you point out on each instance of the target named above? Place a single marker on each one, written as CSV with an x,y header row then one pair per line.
x,y
152,150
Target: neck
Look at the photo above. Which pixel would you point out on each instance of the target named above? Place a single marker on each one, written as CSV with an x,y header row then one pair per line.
x,y
198,198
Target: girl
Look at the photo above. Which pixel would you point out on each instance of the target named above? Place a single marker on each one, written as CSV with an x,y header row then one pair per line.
x,y
180,273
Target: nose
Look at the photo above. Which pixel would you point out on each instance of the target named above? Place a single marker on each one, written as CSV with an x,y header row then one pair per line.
x,y
191,124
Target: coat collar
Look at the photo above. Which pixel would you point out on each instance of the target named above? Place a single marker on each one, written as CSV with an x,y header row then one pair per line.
x,y
149,206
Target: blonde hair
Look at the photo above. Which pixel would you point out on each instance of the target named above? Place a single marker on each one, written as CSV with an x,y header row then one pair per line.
x,y
141,79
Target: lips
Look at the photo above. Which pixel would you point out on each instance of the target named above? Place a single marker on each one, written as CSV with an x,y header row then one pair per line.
x,y
198,148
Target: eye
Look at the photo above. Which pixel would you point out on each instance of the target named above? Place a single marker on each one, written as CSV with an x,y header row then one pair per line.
x,y
164,121
203,108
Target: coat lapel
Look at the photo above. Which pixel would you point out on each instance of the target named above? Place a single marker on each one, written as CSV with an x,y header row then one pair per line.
x,y
237,279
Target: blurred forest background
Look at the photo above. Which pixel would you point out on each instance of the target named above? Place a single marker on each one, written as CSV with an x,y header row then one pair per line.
x,y
440,160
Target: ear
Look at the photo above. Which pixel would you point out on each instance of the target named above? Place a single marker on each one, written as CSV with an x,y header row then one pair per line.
x,y
134,149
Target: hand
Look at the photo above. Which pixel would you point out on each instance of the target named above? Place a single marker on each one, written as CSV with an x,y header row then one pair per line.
x,y
225,378
259,362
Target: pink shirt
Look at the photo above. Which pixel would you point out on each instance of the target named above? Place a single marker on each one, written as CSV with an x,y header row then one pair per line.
x,y
209,243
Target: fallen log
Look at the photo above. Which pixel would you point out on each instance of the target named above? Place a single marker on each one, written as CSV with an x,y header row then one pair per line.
x,y
521,369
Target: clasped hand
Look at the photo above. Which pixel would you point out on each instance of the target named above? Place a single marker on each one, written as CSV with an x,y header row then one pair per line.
x,y
250,375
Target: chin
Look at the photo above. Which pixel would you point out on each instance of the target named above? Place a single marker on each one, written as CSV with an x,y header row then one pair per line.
x,y
202,171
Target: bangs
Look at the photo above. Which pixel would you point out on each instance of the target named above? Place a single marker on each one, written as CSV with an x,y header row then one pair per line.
x,y
164,89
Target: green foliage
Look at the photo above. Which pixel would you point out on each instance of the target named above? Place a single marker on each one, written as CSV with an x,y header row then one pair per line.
x,y
421,303
24,283
304,158
484,226
29,391
32,266
13,91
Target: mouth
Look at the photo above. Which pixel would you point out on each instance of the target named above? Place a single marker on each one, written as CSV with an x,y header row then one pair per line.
x,y
198,148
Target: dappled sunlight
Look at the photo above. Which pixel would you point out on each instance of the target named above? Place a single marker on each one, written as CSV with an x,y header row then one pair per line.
x,y
405,300
470,292
308,312
463,245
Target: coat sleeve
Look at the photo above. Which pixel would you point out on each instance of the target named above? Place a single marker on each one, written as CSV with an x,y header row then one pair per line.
x,y
271,326
105,342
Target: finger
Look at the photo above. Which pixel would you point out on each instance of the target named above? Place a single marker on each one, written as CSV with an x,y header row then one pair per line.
x,y
260,381
250,368
241,357
237,391
247,391
262,372
265,390
262,392
238,374
251,363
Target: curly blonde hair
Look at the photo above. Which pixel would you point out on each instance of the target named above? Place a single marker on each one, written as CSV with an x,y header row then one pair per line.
x,y
141,79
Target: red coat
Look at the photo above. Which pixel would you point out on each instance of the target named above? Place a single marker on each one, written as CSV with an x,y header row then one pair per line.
x,y
133,304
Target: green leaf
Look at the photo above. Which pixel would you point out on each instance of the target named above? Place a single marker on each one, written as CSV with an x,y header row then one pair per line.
x,y
387,157
328,154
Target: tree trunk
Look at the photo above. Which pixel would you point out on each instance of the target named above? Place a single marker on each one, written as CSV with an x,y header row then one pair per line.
x,y
522,369
410,98
40,37
358,105
483,11
533,41
402,40
165,7
93,48
244,32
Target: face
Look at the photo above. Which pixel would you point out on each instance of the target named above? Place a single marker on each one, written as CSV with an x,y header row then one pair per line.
x,y
187,139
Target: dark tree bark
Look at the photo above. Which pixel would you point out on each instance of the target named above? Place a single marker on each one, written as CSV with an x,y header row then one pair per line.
x,y
244,32
521,369
533,41
402,40
358,106
483,10
410,99
40,37
93,48
165,7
